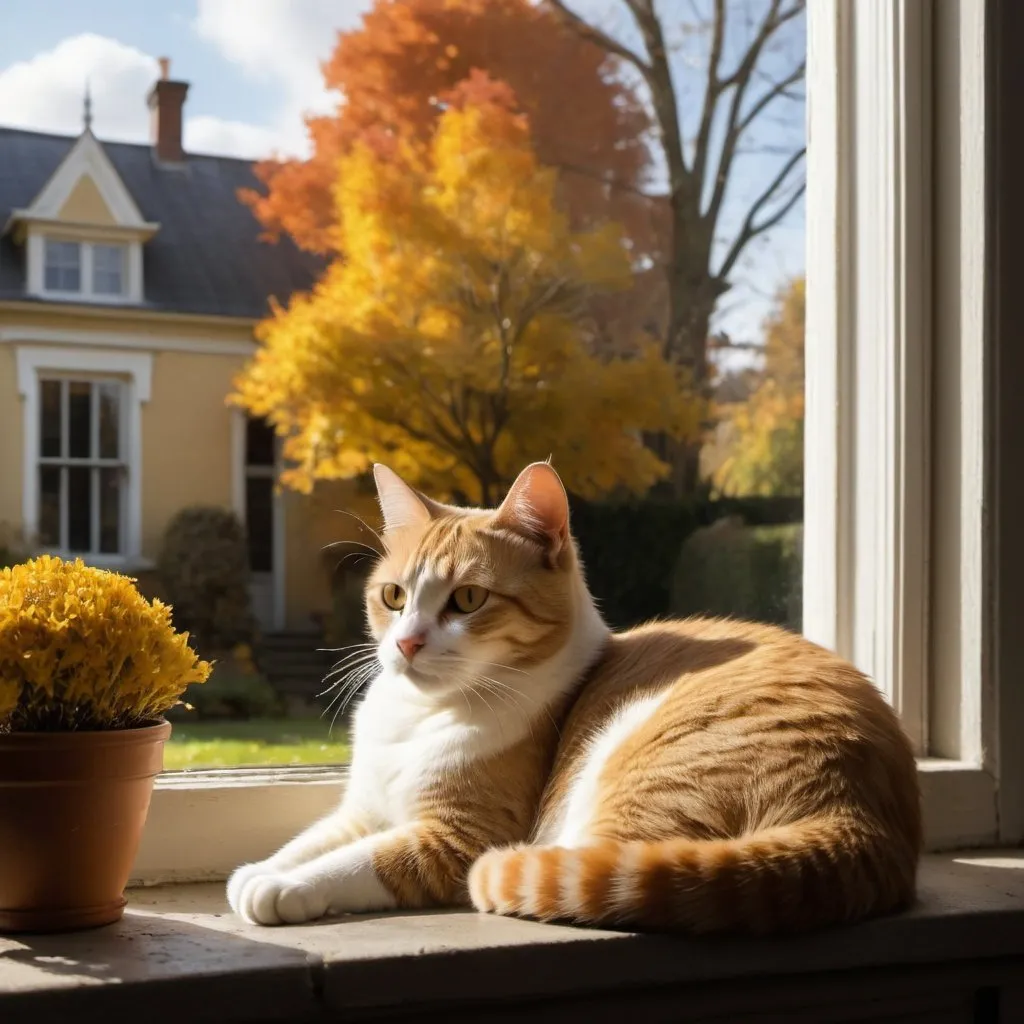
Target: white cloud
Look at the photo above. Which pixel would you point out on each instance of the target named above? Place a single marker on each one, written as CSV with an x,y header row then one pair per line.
x,y
236,138
282,42
45,93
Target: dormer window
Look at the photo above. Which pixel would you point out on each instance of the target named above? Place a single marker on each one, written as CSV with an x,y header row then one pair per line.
x,y
89,270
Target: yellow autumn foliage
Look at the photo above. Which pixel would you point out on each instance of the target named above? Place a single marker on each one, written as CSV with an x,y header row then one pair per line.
x,y
767,455
81,648
450,339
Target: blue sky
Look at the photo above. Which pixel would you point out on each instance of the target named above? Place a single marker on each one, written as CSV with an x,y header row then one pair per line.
x,y
253,69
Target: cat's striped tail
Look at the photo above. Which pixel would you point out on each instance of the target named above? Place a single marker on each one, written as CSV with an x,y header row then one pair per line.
x,y
785,878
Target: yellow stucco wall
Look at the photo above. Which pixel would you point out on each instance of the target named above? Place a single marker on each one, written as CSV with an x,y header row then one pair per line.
x,y
85,205
186,439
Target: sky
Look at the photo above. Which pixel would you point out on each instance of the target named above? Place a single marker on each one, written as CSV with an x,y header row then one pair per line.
x,y
253,69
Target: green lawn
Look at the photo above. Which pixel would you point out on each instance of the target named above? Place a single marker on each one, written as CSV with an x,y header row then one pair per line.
x,y
260,741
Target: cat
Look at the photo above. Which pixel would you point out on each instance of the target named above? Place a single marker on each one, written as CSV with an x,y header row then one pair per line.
x,y
513,753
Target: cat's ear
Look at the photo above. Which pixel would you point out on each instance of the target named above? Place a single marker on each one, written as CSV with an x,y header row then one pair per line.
x,y
400,504
537,507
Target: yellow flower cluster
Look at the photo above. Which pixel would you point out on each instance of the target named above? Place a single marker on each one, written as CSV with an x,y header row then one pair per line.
x,y
81,648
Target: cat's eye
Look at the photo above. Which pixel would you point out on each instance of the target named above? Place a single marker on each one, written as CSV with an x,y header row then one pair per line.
x,y
468,599
393,596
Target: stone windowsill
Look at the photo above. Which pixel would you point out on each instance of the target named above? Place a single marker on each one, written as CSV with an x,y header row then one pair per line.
x,y
179,955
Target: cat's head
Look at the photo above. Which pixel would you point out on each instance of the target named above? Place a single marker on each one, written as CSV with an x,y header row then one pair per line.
x,y
461,596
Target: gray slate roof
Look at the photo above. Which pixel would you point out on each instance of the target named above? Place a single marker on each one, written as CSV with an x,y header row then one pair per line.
x,y
207,256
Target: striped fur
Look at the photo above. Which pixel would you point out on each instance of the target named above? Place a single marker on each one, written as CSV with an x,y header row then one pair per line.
x,y
787,877
701,775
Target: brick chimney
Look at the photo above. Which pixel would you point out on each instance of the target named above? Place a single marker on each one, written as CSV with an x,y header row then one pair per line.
x,y
166,100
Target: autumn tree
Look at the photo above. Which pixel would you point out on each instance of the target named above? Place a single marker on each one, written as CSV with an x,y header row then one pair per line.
x,y
747,76
448,340
767,430
394,75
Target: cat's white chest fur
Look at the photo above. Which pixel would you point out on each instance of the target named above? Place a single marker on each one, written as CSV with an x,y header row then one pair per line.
x,y
403,745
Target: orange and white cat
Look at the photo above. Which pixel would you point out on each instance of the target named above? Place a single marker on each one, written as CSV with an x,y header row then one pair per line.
x,y
513,753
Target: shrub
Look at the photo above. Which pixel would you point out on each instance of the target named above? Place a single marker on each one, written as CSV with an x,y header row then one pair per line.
x,y
628,551
235,689
204,571
747,572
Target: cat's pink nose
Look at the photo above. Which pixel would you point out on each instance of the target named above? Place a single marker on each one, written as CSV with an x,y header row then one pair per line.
x,y
409,645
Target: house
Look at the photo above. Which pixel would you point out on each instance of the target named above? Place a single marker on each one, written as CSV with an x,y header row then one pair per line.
x,y
131,279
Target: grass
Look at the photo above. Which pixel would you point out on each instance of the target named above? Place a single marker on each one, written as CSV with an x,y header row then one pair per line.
x,y
256,742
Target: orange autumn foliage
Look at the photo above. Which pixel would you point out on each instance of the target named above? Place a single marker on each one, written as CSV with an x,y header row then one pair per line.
x,y
767,456
396,75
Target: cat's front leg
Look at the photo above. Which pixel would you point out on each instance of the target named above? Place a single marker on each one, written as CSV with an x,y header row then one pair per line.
x,y
335,831
418,865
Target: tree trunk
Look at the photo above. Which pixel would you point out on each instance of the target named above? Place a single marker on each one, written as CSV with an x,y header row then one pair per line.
x,y
691,304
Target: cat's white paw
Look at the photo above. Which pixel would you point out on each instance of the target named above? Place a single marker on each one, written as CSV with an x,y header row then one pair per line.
x,y
241,875
278,897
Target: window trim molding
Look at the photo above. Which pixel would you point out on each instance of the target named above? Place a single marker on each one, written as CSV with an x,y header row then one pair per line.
x,y
867,408
35,277
101,337
1005,218
137,367
895,569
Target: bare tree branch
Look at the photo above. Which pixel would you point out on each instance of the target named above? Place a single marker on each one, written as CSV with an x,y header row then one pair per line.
x,y
712,91
751,229
614,183
775,92
602,39
739,81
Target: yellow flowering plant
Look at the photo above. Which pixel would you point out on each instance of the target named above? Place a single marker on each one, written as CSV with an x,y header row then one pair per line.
x,y
81,648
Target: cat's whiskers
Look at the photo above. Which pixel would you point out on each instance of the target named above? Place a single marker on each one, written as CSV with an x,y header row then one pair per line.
x,y
485,664
349,661
529,698
355,661
362,522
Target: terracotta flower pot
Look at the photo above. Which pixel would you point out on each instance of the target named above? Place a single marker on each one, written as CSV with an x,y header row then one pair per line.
x,y
72,808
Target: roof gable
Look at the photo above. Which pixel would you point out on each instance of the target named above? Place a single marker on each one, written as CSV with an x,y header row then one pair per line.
x,y
86,160
85,205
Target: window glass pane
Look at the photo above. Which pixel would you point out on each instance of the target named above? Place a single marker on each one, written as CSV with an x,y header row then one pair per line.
x,y
259,443
80,480
49,506
543,287
50,418
109,397
108,269
62,266
80,419
259,521
110,510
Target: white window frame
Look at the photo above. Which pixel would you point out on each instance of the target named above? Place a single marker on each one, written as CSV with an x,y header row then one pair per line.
x,y
86,250
35,363
895,572
94,461
894,566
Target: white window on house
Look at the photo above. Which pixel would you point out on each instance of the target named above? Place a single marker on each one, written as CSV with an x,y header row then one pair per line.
x,y
63,266
81,466
90,270
108,269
